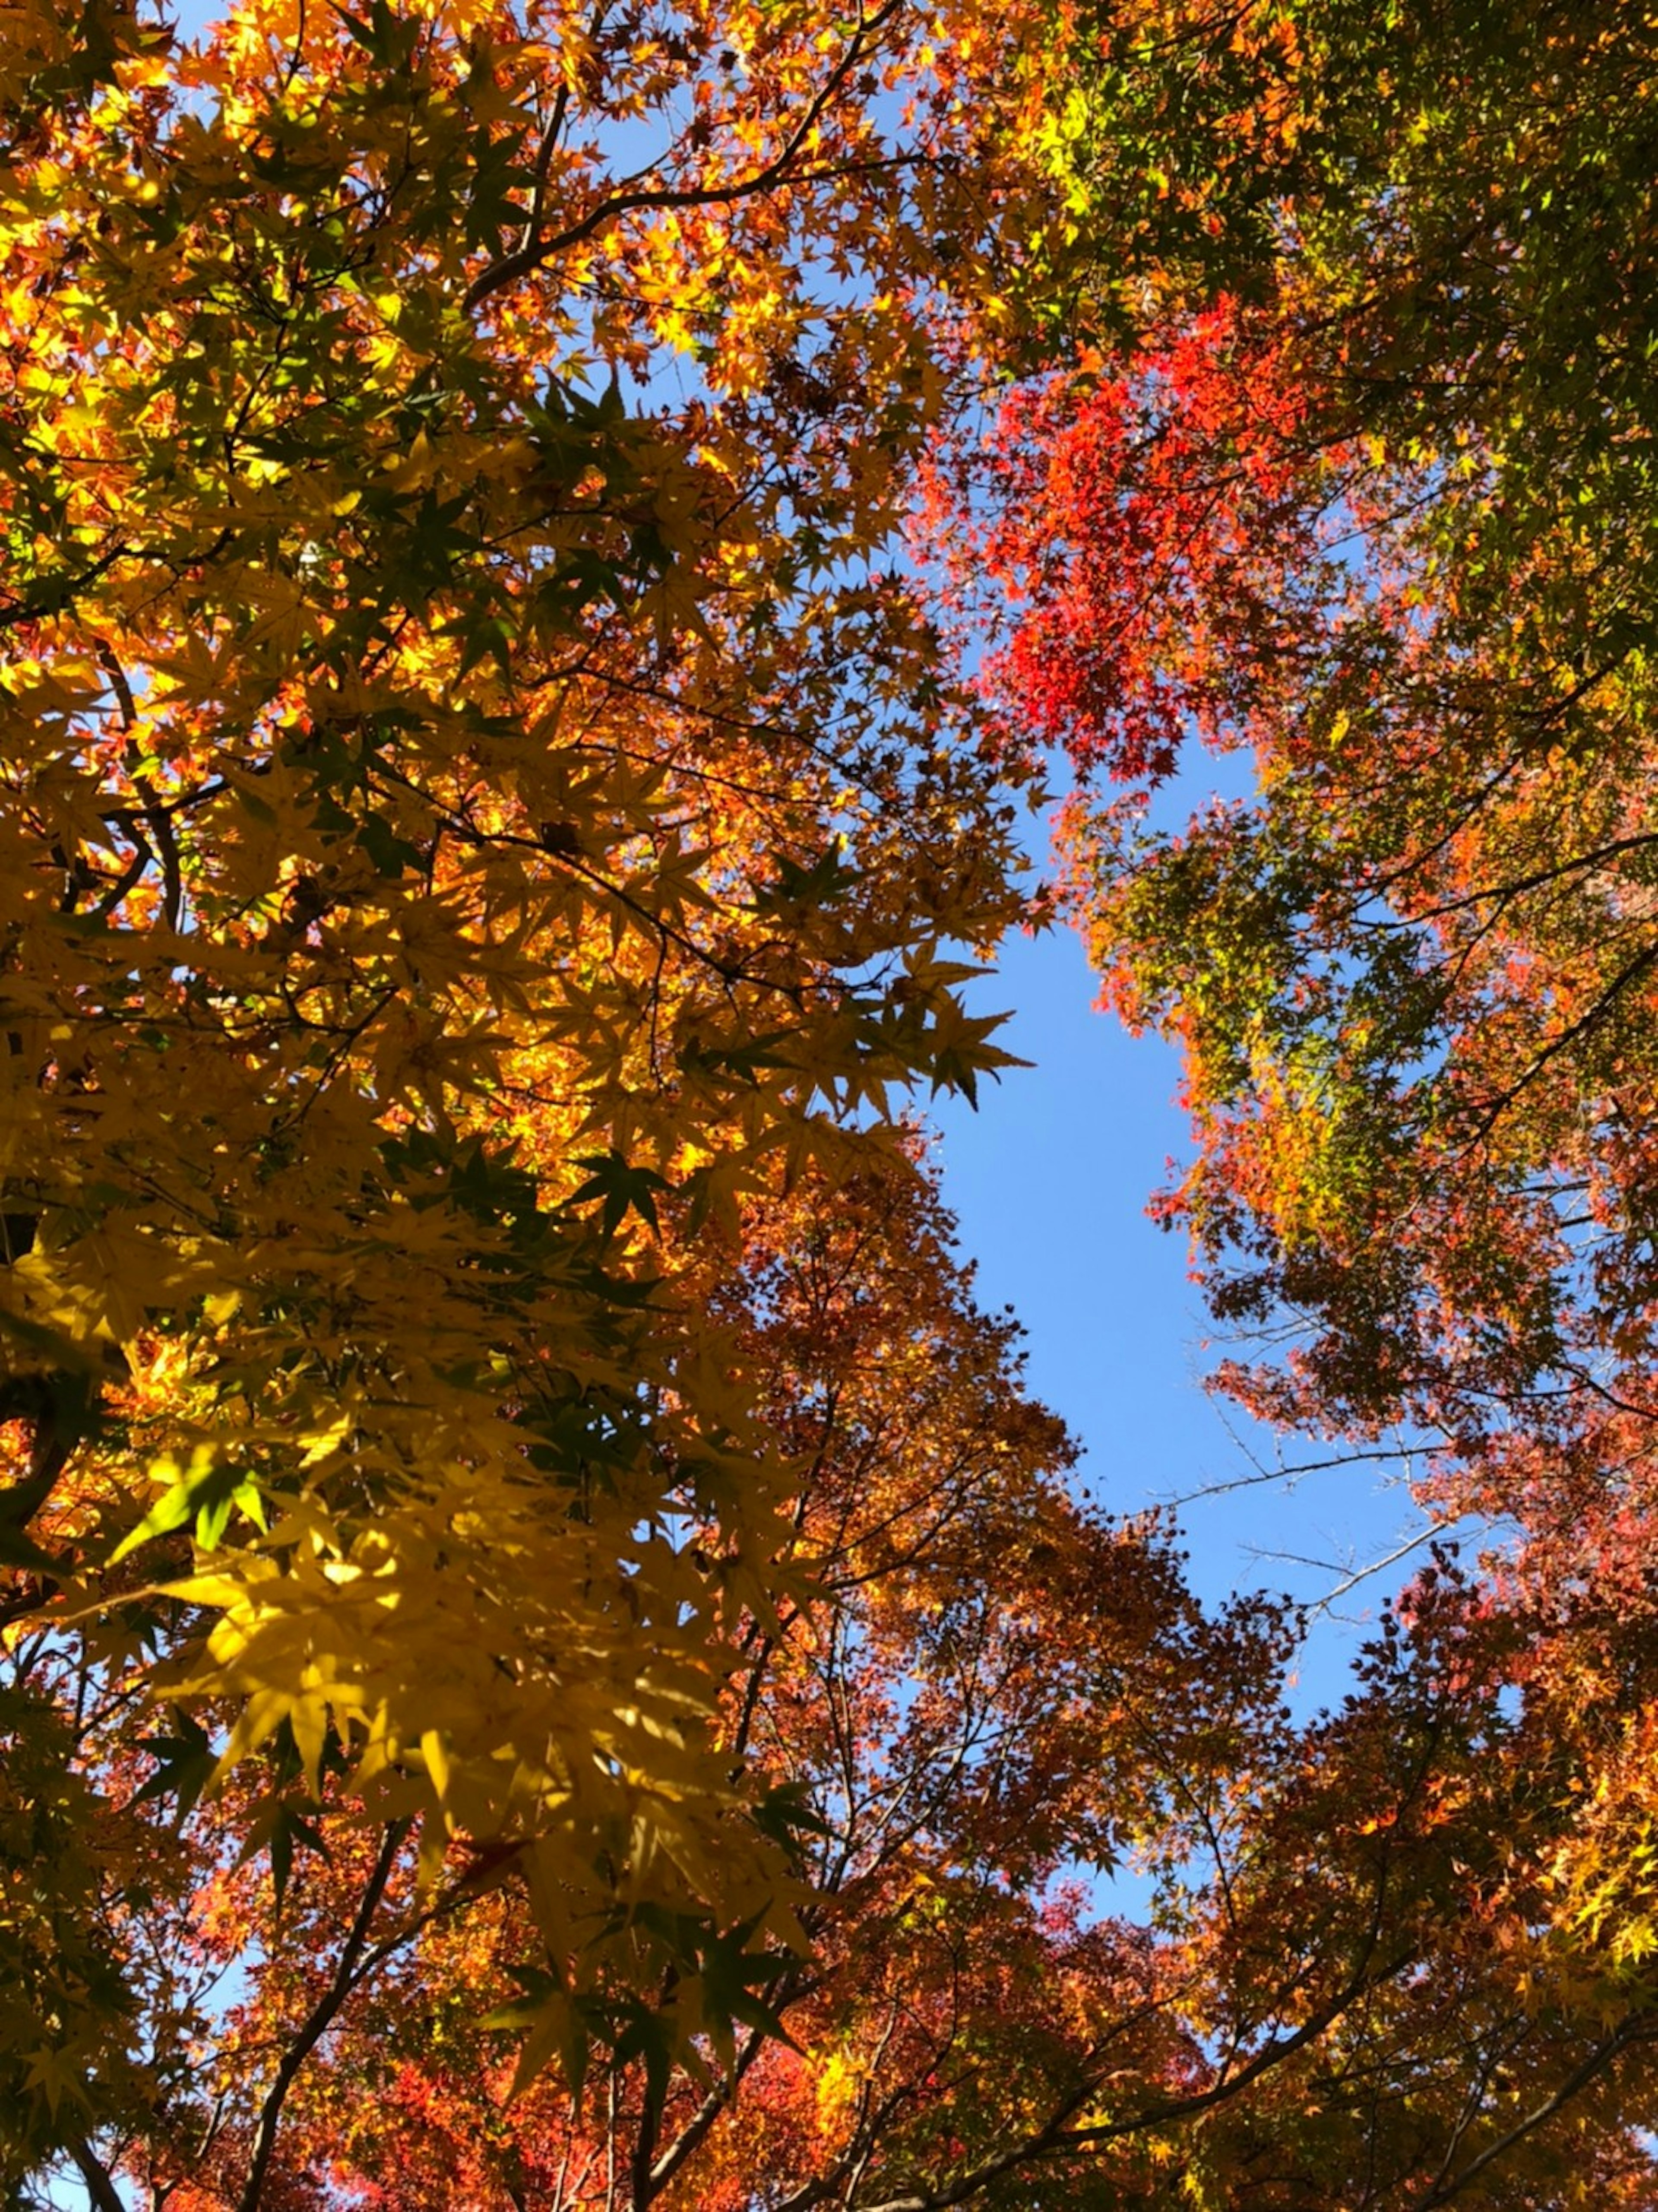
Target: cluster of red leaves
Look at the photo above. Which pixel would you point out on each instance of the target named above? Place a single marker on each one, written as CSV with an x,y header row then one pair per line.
x,y
1152,522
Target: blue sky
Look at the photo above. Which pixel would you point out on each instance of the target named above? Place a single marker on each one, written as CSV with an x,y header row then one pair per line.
x,y
1049,1180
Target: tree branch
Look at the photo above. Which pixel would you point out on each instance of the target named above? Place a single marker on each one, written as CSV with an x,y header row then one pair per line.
x,y
321,2017
534,250
1641,2029
101,2186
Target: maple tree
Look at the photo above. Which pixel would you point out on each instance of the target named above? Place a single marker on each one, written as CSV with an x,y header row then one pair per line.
x,y
1358,1961
1347,475
455,821
1351,478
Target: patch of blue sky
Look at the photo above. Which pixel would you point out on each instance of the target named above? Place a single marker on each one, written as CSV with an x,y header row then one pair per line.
x,y
1049,1180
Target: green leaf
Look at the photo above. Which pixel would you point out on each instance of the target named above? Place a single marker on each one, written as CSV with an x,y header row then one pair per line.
x,y
622,1187
207,1496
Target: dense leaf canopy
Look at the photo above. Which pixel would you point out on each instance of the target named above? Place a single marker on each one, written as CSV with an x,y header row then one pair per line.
x,y
452,816
549,1659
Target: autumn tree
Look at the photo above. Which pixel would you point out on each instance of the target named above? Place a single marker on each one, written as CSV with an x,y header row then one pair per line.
x,y
1358,1963
524,1569
465,831
1346,474
1351,477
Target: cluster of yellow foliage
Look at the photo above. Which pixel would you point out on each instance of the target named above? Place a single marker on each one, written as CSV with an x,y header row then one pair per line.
x,y
461,835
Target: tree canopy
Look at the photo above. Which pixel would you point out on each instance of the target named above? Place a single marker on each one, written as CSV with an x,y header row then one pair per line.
x,y
549,1659
456,817
1363,494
